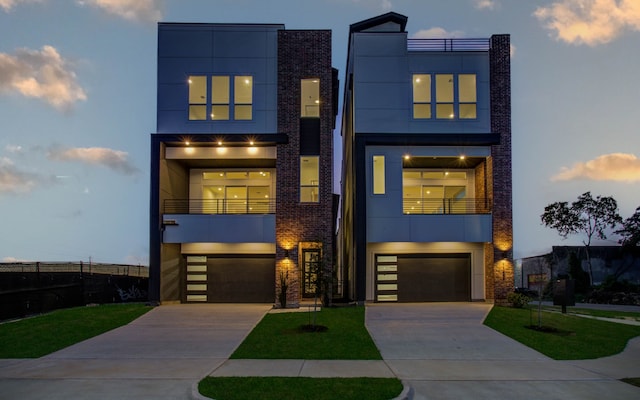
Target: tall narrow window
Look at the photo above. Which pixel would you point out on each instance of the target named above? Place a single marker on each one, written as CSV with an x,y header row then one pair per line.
x,y
378,175
197,97
421,96
309,179
220,97
243,97
444,96
467,96
310,98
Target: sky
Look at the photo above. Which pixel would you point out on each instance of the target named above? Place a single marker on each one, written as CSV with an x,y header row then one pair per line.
x,y
78,103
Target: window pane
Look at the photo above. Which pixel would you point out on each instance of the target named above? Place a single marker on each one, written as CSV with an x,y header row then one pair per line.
x,y
219,112
468,111
237,175
444,88
309,170
410,175
243,112
422,111
310,97
197,112
198,90
433,175
243,90
378,175
421,88
444,111
220,90
236,199
309,194
467,88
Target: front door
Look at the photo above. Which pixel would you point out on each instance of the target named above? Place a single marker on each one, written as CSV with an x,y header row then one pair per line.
x,y
310,266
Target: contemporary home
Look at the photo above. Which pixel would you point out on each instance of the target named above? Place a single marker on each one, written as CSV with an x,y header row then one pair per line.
x,y
426,181
241,163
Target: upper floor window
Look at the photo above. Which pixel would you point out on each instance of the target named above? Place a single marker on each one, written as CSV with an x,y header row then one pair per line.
x,y
197,97
378,175
455,96
310,98
220,107
309,179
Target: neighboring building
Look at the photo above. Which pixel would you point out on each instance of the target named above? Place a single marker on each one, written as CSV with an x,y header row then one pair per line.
x,y
241,163
607,262
426,185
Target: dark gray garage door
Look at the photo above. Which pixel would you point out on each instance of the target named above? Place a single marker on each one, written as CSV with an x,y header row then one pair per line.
x,y
434,277
241,279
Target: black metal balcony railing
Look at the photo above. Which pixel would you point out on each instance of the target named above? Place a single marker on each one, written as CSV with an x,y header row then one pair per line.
x,y
220,206
447,206
448,44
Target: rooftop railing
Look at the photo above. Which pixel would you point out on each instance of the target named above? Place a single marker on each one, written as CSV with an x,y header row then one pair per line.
x,y
447,206
448,44
220,206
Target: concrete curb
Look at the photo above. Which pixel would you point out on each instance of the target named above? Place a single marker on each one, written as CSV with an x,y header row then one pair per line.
x,y
406,394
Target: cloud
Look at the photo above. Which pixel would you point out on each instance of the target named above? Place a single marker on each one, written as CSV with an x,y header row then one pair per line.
x,y
12,148
132,10
436,33
42,74
590,22
622,167
114,159
485,4
7,5
512,50
15,181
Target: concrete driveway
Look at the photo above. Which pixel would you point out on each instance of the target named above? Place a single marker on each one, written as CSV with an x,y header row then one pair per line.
x,y
445,352
158,356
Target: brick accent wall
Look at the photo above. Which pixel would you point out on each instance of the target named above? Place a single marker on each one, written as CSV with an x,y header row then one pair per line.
x,y
301,55
499,267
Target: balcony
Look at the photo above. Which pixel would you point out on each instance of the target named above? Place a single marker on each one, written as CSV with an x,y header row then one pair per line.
x,y
220,206
446,206
448,44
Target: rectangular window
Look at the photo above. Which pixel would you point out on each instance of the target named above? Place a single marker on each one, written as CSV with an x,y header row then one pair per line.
x,y
310,98
421,96
455,96
467,96
437,191
309,179
444,96
378,175
197,98
243,97
220,98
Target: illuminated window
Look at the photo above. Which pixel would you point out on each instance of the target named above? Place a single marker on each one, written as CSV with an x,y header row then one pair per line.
x,y
436,191
421,96
309,179
467,96
444,96
378,175
455,96
197,97
243,97
310,98
219,97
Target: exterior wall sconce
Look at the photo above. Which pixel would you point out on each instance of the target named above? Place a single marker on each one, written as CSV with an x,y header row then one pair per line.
x,y
286,253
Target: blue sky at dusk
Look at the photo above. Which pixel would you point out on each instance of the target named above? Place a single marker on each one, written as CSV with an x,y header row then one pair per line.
x,y
78,102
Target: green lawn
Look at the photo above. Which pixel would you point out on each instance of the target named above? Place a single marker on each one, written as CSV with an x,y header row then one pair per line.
x,y
44,334
577,338
278,336
237,388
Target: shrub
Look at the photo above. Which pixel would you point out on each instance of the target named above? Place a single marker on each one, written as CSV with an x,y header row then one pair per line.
x,y
518,300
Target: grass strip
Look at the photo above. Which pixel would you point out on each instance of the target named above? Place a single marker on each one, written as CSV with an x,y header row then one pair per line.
x,y
38,336
595,313
277,388
279,336
575,338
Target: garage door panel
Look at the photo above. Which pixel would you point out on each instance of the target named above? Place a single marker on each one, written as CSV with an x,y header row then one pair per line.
x,y
241,280
434,278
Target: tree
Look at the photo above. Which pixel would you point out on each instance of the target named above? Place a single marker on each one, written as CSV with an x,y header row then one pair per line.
x,y
630,231
587,216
